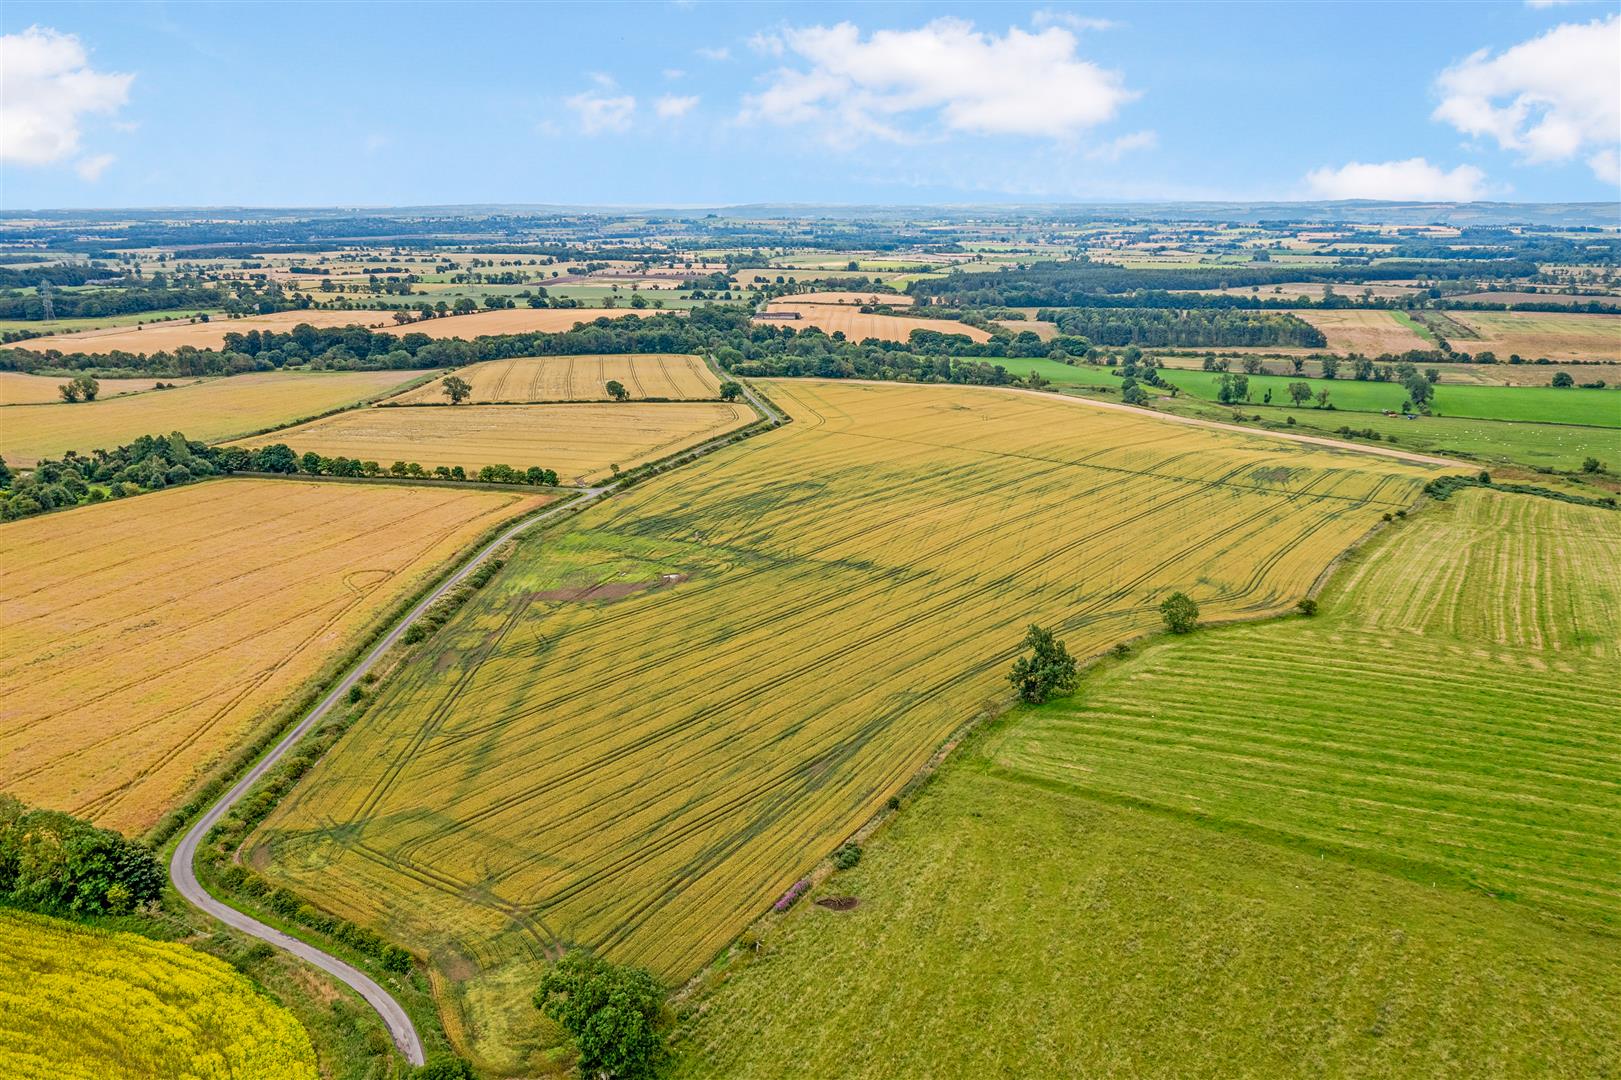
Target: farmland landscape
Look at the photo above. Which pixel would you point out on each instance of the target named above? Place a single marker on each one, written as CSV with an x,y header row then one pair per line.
x,y
881,544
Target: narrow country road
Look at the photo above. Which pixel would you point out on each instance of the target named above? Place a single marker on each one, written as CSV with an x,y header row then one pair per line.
x,y
182,870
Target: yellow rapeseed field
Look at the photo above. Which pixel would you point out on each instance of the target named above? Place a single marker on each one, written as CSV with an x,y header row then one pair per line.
x,y
578,378
211,410
580,441
658,716
78,1003
141,641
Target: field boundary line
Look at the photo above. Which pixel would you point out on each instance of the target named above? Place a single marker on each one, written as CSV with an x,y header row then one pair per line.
x,y
182,870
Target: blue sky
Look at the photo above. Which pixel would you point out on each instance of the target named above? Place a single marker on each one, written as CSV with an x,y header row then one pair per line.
x,y
680,104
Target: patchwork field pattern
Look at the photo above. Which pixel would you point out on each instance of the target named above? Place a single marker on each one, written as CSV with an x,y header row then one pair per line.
x,y
17,388
580,441
517,321
194,615
641,731
1453,717
81,1003
833,318
174,334
211,410
578,378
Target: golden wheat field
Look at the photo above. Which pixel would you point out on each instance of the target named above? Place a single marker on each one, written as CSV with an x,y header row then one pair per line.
x,y
578,378
518,321
165,336
833,318
1370,333
580,441
655,718
194,617
17,388
208,411
84,1004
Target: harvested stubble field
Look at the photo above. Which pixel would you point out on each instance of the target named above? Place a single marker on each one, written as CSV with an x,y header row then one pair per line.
x,y
578,378
641,731
855,299
167,336
210,411
1325,847
194,617
833,318
1537,334
580,441
17,388
1370,333
517,321
86,1004
1507,297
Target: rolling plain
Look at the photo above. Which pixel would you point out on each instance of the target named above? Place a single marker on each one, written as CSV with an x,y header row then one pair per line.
x,y
905,536
197,616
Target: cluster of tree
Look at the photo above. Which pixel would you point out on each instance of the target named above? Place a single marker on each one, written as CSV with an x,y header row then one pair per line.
x,y
79,388
1080,282
105,302
1167,327
74,273
281,458
54,862
149,463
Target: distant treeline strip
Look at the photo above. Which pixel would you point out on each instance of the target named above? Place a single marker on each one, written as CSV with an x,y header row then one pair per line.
x,y
1160,327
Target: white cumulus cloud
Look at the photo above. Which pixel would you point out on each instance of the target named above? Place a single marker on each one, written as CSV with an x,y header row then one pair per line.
x,y
598,112
1049,17
91,168
1120,146
671,106
1412,180
46,88
1551,99
946,73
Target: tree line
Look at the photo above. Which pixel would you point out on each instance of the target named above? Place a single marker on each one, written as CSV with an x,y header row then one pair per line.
x,y
1151,327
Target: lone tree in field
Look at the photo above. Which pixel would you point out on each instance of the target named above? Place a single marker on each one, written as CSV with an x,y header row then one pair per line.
x,y
1181,613
1299,393
1049,670
615,1014
457,389
616,390
731,391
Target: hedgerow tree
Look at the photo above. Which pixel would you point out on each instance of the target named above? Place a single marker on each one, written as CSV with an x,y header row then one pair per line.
x,y
731,391
1180,612
616,390
615,1014
1048,670
456,389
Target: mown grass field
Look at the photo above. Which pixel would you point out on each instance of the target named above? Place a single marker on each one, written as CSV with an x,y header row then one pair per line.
x,y
580,441
85,1004
17,388
210,411
146,639
1381,842
578,378
641,731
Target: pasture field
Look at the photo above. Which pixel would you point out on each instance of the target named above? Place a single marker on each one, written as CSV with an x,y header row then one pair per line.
x,y
580,441
167,336
87,1004
641,731
832,319
1319,847
17,388
517,321
210,411
69,326
1367,332
1536,334
195,616
578,378
1451,374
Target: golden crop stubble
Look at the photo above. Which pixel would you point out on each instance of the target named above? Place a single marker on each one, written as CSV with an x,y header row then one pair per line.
x,y
144,640
645,772
577,378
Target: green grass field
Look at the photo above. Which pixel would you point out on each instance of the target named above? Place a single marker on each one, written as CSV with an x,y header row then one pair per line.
x,y
1415,326
67,326
1382,842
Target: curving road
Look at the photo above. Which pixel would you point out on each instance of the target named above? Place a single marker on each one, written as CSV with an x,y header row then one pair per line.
x,y
181,864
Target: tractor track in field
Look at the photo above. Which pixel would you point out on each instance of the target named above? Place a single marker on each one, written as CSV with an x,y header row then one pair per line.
x,y
182,869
